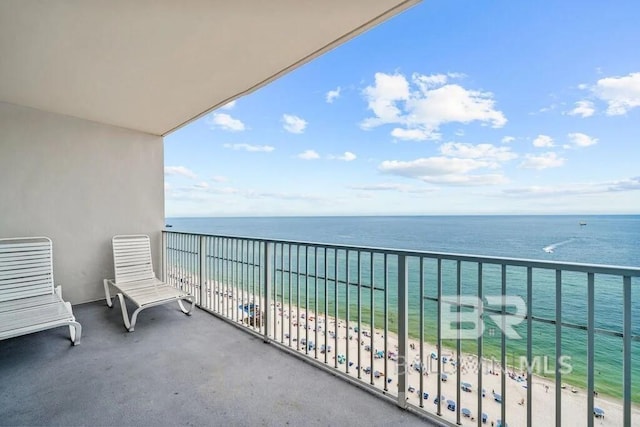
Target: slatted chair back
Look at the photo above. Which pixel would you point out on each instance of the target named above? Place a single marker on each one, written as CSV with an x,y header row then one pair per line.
x,y
132,258
26,268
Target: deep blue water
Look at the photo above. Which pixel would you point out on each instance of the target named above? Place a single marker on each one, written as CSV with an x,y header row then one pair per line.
x,y
606,239
612,240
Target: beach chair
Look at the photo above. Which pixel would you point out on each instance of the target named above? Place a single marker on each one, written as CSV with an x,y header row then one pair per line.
x,y
135,279
29,301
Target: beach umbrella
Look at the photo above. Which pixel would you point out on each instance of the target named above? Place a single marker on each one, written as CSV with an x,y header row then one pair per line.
x,y
499,424
598,412
436,400
484,417
497,397
443,377
465,386
434,355
465,412
425,395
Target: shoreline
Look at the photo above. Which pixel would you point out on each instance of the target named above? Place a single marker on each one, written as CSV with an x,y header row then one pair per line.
x,y
290,320
312,329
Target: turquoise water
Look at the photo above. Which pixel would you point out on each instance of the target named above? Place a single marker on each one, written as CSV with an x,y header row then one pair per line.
x,y
604,240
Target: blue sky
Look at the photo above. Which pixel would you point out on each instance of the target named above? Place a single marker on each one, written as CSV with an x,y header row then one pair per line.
x,y
452,107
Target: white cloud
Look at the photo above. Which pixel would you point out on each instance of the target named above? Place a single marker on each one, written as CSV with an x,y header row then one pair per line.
x,y
442,170
430,166
620,93
582,140
179,170
391,187
507,139
630,184
293,124
583,109
542,161
309,155
413,134
468,180
382,98
486,152
543,141
203,185
348,156
226,122
432,102
249,147
219,178
332,95
229,105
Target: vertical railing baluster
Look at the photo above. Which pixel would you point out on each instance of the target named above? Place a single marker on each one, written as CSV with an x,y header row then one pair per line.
x,y
306,300
403,331
439,337
289,293
590,346
372,317
281,313
266,283
163,256
298,297
558,347
257,248
359,311
335,308
626,350
386,320
237,281
347,307
480,323
326,309
458,342
503,346
529,345
201,270
274,288
315,303
421,334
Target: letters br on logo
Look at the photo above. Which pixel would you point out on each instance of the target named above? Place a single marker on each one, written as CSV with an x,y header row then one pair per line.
x,y
463,316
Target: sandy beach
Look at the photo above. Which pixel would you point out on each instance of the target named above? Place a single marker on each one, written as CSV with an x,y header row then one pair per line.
x,y
308,333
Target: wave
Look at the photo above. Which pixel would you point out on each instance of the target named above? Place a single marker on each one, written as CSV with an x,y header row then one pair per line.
x,y
549,249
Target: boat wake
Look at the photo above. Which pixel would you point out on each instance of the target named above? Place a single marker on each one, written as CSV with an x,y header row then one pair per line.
x,y
549,249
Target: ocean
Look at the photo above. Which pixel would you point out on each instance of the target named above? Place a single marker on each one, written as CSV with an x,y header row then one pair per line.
x,y
601,239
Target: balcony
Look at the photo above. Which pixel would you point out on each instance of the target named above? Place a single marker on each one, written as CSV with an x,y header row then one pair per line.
x,y
173,370
408,326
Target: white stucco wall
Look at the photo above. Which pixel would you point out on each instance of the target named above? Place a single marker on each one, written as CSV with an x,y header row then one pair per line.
x,y
79,183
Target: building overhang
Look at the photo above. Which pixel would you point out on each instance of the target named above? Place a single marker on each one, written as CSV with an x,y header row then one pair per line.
x,y
155,65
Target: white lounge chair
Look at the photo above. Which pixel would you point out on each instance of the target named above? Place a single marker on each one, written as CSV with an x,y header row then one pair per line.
x,y
136,280
29,302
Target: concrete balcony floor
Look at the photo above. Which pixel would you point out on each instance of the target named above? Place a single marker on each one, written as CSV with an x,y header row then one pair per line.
x,y
173,370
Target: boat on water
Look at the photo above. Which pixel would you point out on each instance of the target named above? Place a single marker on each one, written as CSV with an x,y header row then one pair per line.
x,y
583,223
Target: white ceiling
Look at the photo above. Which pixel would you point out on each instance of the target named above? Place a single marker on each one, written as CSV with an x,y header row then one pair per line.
x,y
155,65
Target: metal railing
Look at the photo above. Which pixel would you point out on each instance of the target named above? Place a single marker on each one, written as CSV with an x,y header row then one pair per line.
x,y
404,323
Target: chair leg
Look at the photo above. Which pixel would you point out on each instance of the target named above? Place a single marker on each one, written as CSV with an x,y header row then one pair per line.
x,y
75,330
184,310
125,313
107,294
134,318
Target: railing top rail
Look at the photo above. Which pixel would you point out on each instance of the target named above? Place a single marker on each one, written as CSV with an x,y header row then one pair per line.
x,y
517,262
